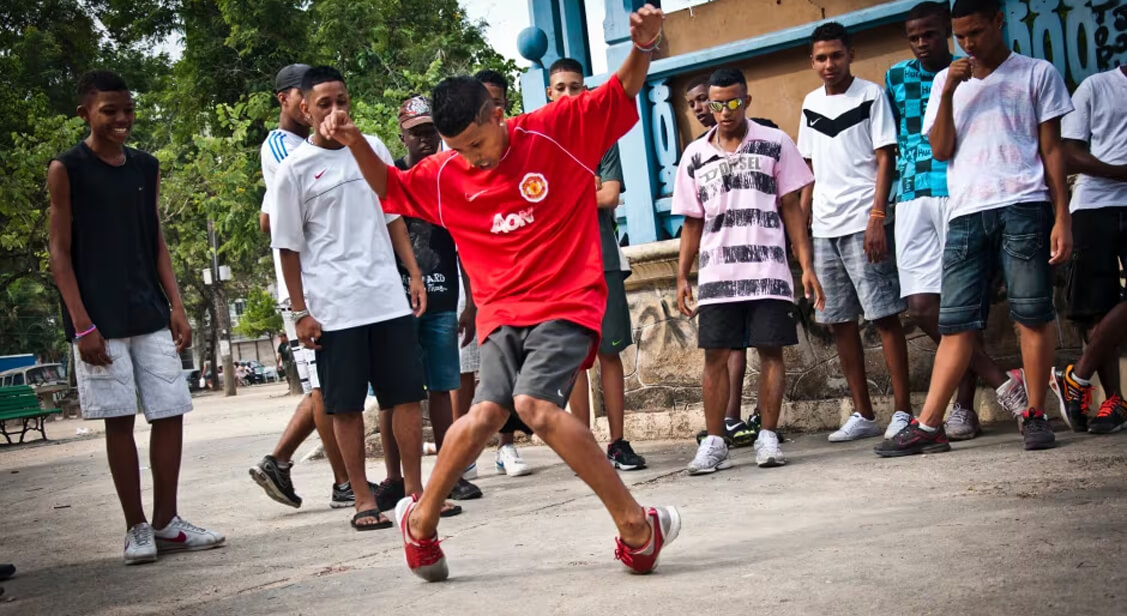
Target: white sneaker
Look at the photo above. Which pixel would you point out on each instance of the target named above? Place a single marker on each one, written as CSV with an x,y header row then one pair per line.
x,y
900,420
471,472
510,462
712,456
856,427
767,451
140,547
1012,395
181,536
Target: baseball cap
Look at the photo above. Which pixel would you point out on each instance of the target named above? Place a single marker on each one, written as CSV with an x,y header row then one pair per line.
x,y
414,111
290,77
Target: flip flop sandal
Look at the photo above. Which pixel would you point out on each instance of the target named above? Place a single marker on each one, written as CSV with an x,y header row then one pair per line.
x,y
370,513
450,510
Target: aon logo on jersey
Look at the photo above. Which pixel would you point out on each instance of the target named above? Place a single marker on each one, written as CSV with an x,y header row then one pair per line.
x,y
512,222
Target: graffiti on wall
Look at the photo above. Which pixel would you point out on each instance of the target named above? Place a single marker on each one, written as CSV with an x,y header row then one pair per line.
x,y
1080,37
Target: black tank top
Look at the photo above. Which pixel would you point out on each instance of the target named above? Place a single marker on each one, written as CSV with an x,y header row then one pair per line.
x,y
114,231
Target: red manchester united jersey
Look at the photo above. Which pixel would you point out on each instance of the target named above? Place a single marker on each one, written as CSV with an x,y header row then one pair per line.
x,y
527,230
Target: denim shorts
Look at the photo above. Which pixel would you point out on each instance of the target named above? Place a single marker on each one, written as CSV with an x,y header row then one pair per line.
x,y
438,337
1015,237
145,368
853,285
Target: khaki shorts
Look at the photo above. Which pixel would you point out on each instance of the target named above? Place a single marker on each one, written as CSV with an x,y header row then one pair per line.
x,y
145,368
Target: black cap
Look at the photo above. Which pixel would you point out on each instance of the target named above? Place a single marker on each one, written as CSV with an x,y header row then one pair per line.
x,y
290,77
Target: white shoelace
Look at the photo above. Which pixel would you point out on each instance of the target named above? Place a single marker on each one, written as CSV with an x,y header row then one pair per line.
x,y
138,536
959,415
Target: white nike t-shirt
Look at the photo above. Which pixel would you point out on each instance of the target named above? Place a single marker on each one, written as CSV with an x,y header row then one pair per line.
x,y
997,158
277,146
324,209
840,134
1100,120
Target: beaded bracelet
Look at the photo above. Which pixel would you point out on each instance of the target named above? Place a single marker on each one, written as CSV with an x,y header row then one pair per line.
x,y
78,335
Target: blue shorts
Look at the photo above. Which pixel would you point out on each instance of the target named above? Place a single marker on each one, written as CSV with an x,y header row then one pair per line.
x,y
853,285
438,337
1015,237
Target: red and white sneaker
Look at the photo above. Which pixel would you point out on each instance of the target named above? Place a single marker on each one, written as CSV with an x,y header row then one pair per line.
x,y
181,536
665,524
424,556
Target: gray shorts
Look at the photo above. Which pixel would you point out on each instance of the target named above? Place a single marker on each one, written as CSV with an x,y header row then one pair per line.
x,y
852,284
541,361
617,332
145,368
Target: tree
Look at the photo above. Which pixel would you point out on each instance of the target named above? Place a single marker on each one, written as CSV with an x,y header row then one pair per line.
x,y
260,317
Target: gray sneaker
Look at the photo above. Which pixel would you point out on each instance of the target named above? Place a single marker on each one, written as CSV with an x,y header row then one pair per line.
x,y
1037,434
962,424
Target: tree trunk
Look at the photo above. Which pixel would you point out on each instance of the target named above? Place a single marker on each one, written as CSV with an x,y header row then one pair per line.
x,y
223,312
293,378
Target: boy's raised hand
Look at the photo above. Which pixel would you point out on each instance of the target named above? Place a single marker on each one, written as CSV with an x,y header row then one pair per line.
x,y
645,24
339,127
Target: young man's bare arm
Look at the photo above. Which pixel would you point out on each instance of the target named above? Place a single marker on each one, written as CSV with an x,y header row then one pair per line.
x,y
308,329
806,199
1053,158
691,230
1078,159
178,321
790,208
607,195
91,347
401,242
645,26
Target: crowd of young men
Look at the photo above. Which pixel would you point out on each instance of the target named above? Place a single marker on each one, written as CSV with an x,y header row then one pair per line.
x,y
498,255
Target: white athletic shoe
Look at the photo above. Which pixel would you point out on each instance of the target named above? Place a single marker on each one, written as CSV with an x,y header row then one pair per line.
x,y
1012,395
140,546
181,536
767,450
900,420
470,472
712,456
856,427
509,462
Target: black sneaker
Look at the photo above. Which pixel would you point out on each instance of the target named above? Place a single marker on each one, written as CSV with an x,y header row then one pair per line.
x,y
388,494
464,490
275,480
912,440
1112,416
1075,399
622,456
1037,432
343,496
737,432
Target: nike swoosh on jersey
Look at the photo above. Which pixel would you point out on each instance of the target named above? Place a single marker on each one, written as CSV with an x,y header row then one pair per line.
x,y
832,127
477,194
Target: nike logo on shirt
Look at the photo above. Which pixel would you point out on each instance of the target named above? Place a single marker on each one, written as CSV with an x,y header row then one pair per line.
x,y
318,176
832,127
477,194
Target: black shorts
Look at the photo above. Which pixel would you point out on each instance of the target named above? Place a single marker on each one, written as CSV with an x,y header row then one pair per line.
x,y
617,332
1099,249
385,355
752,323
541,361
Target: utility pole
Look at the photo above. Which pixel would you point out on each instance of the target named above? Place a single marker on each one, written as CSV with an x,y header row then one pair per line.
x,y
222,312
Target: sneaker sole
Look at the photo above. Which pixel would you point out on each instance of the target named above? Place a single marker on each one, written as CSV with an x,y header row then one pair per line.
x,y
140,560
967,437
338,504
264,482
511,473
772,462
845,439
945,447
626,467
179,547
1055,386
431,573
725,465
1103,431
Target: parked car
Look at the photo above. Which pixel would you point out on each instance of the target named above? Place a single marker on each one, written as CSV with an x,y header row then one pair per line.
x,y
38,376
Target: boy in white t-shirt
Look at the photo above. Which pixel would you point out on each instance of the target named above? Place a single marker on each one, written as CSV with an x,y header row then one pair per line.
x,y
995,118
848,135
337,252
1095,142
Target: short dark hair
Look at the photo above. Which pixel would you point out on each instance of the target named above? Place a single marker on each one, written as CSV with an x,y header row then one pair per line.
x,y
457,102
724,77
92,82
565,65
831,31
318,75
493,78
966,8
697,81
922,10
765,122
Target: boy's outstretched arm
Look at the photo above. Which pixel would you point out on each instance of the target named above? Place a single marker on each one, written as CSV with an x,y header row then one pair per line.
x,y
645,30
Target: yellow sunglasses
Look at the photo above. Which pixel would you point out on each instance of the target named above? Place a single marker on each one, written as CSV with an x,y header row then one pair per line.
x,y
732,105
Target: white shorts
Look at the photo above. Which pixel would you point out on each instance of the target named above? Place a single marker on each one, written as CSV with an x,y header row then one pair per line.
x,y
921,228
306,359
145,368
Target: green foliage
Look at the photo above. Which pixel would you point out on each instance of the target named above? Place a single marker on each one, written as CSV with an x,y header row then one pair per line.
x,y
260,318
29,320
203,115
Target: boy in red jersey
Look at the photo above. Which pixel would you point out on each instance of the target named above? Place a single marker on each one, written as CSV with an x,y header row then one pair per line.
x,y
518,197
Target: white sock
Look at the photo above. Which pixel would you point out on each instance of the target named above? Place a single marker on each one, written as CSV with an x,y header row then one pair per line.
x,y
925,427
1082,382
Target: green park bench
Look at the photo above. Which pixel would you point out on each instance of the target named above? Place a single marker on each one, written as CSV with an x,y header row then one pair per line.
x,y
21,404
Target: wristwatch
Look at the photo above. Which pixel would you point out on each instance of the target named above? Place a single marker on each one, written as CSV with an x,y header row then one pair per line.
x,y
298,315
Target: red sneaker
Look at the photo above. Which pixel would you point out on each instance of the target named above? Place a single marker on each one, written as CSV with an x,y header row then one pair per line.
x,y
424,556
665,524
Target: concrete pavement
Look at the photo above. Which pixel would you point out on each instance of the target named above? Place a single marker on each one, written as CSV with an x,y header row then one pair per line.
x,y
985,529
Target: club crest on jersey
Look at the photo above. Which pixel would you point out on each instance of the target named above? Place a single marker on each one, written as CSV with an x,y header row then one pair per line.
x,y
534,187
512,222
